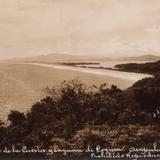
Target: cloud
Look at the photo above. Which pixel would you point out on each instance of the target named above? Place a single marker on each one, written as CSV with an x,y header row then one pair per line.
x,y
100,27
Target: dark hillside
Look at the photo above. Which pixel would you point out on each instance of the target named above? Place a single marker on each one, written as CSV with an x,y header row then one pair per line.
x,y
150,68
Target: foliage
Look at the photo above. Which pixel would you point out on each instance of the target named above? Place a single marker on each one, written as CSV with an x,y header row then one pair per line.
x,y
147,93
151,67
75,116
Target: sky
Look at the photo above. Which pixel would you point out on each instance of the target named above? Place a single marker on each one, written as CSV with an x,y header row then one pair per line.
x,y
79,27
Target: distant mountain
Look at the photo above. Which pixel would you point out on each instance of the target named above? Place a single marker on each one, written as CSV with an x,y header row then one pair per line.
x,y
53,58
75,58
147,57
104,59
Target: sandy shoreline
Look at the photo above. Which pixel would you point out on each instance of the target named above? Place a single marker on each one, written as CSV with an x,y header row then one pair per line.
x,y
105,72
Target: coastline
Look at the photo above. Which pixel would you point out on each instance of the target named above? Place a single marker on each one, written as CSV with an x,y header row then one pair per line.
x,y
27,80
115,73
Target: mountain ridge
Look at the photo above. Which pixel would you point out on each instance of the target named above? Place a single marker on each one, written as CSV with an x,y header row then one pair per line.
x,y
146,57
54,57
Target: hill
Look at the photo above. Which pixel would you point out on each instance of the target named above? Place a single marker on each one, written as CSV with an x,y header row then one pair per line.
x,y
150,68
52,58
147,57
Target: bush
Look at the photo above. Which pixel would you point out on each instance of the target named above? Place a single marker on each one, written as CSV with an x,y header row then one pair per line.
x,y
77,116
147,93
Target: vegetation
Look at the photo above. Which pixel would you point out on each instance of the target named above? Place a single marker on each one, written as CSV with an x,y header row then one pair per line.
x,y
150,68
73,116
79,63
